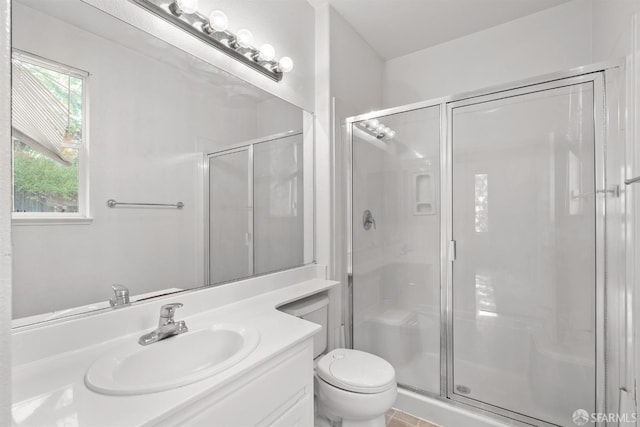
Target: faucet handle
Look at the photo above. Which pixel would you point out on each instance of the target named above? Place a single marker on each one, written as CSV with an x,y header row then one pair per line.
x,y
120,290
121,295
168,310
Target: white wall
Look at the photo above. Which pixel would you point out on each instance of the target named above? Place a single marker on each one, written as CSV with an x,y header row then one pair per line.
x,y
275,116
348,77
145,147
551,40
323,139
356,69
5,215
356,87
613,28
269,21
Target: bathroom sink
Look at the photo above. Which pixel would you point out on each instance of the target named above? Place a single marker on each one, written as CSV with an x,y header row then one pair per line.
x,y
173,362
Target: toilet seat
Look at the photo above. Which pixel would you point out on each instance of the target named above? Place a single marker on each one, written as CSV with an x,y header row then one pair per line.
x,y
356,371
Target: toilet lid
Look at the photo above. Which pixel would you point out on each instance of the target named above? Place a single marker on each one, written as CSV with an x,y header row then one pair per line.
x,y
356,371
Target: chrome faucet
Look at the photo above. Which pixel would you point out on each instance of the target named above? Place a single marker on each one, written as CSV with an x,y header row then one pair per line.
x,y
167,327
121,298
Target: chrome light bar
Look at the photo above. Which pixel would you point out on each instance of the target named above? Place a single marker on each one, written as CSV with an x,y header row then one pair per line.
x,y
213,31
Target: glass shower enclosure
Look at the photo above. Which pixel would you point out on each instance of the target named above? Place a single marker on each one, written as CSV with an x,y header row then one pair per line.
x,y
396,258
476,254
255,216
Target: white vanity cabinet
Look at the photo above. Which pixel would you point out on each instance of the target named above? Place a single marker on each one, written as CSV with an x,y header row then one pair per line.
x,y
278,393
271,386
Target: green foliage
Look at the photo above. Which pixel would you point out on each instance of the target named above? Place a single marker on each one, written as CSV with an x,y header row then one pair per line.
x,y
41,184
40,178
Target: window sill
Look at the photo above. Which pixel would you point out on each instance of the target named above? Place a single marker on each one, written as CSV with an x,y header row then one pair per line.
x,y
51,221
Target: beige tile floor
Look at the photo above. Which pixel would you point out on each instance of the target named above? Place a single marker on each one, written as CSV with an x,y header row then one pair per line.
x,y
397,418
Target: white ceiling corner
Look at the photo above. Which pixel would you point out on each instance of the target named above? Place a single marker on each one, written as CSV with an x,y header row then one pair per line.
x,y
398,27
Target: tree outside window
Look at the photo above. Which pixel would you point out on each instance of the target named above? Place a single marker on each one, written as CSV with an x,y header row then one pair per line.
x,y
47,125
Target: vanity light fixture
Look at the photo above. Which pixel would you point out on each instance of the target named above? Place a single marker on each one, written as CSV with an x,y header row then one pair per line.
x,y
218,22
214,30
377,129
184,6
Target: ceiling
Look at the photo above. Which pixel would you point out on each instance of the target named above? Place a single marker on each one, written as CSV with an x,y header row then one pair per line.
x,y
398,27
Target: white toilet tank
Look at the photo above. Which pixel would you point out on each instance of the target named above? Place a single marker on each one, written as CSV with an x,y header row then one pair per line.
x,y
313,309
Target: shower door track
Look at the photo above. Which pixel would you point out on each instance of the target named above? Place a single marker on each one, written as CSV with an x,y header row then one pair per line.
x,y
593,73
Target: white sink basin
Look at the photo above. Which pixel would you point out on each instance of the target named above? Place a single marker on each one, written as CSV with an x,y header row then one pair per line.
x,y
173,362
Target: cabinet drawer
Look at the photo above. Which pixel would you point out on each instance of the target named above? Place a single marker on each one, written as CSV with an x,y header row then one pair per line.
x,y
301,415
259,398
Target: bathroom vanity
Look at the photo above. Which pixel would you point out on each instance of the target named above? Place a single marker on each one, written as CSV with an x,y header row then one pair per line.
x,y
272,385
200,207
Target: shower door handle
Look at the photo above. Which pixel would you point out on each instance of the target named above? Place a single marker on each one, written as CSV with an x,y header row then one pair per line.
x,y
452,250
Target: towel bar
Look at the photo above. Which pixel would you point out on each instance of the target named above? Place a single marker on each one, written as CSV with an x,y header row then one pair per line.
x,y
112,204
632,180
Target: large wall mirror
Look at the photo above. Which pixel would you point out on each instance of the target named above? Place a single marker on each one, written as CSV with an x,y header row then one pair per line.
x,y
135,163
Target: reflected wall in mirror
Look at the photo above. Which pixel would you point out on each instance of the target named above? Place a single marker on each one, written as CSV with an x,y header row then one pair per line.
x,y
103,111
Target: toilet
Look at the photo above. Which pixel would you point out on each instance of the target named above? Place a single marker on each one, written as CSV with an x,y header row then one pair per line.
x,y
351,386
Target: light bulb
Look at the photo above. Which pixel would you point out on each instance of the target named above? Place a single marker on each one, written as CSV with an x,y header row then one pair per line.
x,y
187,6
218,21
391,134
244,38
374,123
267,52
386,130
380,128
285,64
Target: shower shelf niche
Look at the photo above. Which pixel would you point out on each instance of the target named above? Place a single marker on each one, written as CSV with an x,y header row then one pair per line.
x,y
423,194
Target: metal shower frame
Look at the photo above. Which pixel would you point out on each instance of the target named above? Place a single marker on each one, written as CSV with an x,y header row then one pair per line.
x,y
596,74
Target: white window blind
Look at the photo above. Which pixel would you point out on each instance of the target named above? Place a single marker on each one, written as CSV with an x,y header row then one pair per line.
x,y
39,119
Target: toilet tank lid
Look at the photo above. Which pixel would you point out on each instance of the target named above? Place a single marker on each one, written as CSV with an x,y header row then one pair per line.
x,y
307,305
356,371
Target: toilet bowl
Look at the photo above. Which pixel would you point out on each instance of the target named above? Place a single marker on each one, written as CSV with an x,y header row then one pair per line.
x,y
352,387
355,388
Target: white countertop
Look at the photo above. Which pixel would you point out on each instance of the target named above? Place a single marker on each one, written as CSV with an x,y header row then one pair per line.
x,y
51,391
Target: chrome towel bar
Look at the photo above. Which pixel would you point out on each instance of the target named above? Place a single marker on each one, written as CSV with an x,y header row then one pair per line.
x,y
112,204
632,180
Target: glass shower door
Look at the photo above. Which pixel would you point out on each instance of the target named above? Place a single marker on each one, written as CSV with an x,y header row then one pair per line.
x,y
256,211
278,207
230,216
524,222
396,243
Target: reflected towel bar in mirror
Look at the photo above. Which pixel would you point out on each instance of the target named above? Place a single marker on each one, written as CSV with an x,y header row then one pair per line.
x,y
632,180
112,204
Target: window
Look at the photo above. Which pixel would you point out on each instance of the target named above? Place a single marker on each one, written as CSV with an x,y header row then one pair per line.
x,y
49,140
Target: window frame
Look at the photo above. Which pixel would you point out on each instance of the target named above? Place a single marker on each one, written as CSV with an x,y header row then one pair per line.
x,y
83,216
